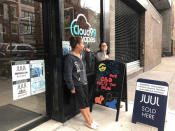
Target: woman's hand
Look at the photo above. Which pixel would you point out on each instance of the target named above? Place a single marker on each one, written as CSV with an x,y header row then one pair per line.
x,y
73,91
88,50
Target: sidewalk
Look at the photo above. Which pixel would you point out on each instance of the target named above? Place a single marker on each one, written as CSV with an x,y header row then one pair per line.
x,y
106,116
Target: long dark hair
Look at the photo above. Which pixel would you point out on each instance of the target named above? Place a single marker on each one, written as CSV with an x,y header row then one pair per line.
x,y
107,52
74,41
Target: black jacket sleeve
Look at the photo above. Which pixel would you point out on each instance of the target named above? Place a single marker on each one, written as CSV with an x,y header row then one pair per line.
x,y
68,68
86,57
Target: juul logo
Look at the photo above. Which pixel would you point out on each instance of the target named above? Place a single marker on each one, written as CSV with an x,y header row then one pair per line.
x,y
150,99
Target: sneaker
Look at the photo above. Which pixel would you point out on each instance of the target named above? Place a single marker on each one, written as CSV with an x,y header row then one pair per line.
x,y
95,123
92,126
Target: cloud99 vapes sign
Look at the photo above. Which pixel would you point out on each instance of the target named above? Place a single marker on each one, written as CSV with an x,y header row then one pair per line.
x,y
150,103
81,27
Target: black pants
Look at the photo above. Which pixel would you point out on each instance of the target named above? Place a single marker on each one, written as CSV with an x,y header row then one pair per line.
x,y
81,96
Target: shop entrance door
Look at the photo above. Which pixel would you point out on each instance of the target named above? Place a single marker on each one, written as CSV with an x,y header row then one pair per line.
x,y
21,45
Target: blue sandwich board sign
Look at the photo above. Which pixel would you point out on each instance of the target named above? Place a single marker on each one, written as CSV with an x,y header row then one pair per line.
x,y
150,103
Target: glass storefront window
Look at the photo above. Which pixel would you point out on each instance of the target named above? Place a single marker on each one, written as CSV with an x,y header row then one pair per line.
x,y
27,2
1,28
21,39
13,11
82,18
5,7
14,28
1,9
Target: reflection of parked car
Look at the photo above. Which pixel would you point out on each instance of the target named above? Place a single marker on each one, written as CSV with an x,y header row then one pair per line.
x,y
2,55
2,49
20,50
3,46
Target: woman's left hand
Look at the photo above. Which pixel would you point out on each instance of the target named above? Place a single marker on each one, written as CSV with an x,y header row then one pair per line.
x,y
88,50
73,91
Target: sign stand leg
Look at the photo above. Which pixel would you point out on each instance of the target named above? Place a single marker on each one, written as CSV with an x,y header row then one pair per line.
x,y
91,104
126,104
92,98
161,128
133,120
118,109
125,94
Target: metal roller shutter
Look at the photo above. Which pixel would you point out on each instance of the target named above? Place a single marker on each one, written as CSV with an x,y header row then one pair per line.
x,y
126,34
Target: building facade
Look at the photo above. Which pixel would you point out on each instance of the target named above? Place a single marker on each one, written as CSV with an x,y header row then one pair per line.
x,y
18,21
40,30
165,9
152,36
173,25
135,46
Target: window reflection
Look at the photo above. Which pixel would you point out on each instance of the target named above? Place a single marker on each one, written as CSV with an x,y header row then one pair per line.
x,y
20,31
14,28
20,39
82,18
1,9
88,5
13,10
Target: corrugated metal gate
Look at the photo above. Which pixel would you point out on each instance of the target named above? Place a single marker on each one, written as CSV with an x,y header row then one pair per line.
x,y
126,34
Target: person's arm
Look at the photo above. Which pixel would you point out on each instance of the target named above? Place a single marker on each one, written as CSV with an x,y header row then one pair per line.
x,y
68,68
86,57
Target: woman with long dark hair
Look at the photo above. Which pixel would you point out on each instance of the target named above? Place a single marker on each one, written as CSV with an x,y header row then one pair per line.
x,y
103,53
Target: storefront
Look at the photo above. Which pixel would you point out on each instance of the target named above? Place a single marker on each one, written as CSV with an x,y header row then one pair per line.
x,y
66,19
35,34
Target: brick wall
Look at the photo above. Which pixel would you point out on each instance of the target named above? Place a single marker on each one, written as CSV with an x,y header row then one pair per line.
x,y
166,31
173,25
38,34
151,35
112,29
8,36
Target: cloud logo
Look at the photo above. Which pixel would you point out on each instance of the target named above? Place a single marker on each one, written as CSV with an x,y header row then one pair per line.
x,y
88,34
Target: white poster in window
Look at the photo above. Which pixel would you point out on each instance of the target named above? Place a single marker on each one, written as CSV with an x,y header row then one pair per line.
x,y
21,89
20,70
20,79
37,74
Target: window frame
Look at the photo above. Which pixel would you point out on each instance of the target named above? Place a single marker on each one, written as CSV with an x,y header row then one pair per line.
x,y
14,23
1,9
15,7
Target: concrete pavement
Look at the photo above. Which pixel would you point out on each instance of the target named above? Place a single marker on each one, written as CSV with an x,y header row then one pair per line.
x,y
106,116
